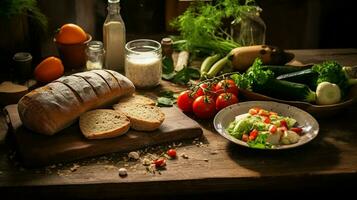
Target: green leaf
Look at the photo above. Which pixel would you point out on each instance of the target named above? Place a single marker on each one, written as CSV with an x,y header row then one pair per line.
x,y
185,75
167,65
193,72
260,142
169,76
164,102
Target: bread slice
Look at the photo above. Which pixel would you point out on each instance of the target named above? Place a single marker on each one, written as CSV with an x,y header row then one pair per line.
x,y
142,117
103,123
136,99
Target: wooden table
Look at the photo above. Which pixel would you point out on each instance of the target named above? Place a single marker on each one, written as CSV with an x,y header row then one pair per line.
x,y
214,165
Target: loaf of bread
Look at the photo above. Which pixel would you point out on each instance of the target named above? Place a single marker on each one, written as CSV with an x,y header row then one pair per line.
x,y
57,105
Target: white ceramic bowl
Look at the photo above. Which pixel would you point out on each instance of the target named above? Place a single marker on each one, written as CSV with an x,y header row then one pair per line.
x,y
304,119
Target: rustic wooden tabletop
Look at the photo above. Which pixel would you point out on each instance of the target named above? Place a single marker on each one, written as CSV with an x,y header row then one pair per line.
x,y
213,164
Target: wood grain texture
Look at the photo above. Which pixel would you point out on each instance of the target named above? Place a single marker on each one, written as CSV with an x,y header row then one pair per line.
x,y
68,145
217,166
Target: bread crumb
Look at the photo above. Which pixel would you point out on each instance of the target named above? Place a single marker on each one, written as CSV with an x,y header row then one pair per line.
x,y
185,156
213,152
146,162
123,172
74,168
134,155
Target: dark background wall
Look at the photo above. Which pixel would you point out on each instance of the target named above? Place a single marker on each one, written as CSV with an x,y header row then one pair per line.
x,y
291,24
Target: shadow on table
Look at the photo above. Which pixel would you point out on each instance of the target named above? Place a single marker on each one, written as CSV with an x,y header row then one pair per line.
x,y
315,156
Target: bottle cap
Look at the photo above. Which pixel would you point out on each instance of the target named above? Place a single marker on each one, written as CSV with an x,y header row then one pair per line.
x,y
113,1
22,57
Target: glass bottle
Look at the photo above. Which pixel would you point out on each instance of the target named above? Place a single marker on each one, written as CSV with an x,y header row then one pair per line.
x,y
249,28
114,37
95,55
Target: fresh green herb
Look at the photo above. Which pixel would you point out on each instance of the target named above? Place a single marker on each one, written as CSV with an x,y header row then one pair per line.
x,y
164,102
167,65
29,8
201,26
254,77
166,98
183,76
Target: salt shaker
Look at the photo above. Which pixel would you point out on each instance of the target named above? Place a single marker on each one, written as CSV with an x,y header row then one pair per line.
x,y
95,55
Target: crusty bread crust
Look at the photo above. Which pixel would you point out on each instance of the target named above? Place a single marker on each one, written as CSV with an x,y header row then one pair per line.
x,y
57,105
136,99
87,125
49,109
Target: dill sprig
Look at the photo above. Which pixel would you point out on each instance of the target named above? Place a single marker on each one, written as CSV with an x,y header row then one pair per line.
x,y
29,8
201,25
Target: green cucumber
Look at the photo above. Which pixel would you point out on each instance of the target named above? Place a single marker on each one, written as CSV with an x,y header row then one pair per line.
x,y
307,76
218,66
283,69
208,62
286,90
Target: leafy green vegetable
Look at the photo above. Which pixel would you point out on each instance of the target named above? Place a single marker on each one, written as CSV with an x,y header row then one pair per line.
x,y
260,142
254,77
201,26
167,65
164,102
166,98
185,75
331,71
181,77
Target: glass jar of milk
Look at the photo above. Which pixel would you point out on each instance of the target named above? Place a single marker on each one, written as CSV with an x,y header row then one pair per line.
x,y
143,63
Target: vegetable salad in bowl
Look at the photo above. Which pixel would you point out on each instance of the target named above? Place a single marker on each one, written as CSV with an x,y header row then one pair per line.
x,y
263,129
266,125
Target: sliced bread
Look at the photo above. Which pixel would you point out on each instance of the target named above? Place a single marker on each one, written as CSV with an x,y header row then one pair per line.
x,y
142,117
103,123
136,99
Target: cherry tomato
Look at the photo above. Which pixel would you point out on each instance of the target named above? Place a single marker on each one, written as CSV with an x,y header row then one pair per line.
x,y
253,111
204,106
171,153
263,112
185,101
160,162
267,120
225,99
228,86
205,89
283,123
297,130
245,137
272,129
253,134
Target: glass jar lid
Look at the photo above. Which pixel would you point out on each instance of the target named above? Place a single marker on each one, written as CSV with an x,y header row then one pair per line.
x,y
95,46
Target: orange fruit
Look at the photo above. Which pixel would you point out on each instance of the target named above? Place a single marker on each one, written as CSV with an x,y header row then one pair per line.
x,y
71,34
49,70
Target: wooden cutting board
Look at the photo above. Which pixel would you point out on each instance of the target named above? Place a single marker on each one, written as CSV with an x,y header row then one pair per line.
x,y
37,150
